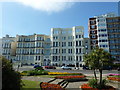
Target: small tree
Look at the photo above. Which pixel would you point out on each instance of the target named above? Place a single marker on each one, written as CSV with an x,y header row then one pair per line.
x,y
97,59
10,78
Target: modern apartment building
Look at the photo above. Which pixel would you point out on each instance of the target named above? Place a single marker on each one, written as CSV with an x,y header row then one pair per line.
x,y
33,49
104,32
8,47
68,46
113,28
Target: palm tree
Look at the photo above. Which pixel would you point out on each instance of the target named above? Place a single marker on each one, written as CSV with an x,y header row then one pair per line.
x,y
97,59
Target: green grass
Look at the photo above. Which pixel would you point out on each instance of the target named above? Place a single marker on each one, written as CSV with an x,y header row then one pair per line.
x,y
30,85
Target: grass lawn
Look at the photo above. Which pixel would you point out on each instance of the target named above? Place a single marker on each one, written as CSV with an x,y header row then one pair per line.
x,y
30,85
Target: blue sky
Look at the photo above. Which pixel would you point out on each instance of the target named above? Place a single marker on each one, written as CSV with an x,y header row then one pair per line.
x,y
28,18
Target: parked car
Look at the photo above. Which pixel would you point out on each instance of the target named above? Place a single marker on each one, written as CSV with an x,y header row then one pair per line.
x,y
50,67
85,68
66,68
35,66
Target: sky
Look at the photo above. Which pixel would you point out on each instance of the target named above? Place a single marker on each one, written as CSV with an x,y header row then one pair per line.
x,y
26,17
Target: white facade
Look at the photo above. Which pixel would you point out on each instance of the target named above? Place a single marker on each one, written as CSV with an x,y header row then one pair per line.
x,y
8,47
67,46
31,49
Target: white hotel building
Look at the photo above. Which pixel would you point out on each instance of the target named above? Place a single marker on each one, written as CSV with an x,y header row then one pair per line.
x,y
33,49
8,47
68,46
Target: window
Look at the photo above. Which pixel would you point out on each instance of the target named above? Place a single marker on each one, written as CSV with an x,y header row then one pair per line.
x,y
102,35
92,31
69,43
103,46
77,30
104,40
80,58
70,32
78,50
63,38
70,37
63,44
54,38
76,43
55,32
94,41
69,50
92,26
63,50
63,32
76,36
93,36
92,22
76,58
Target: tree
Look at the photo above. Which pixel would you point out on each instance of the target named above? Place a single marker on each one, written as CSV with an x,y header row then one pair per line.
x,y
10,78
97,59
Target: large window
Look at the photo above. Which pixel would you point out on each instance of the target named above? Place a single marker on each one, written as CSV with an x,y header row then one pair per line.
x,y
69,50
55,32
78,30
63,44
69,43
78,50
78,43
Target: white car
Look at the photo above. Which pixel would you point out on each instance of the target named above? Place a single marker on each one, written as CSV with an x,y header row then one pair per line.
x,y
66,68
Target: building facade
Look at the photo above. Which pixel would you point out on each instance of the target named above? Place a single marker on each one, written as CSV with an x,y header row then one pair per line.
x,y
33,49
67,46
113,28
86,43
104,32
8,47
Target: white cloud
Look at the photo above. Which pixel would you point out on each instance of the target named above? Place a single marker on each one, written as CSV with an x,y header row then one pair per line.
x,y
52,5
46,5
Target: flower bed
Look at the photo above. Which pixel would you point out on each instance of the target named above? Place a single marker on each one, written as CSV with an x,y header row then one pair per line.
x,y
114,77
87,87
63,73
72,78
69,77
48,86
112,74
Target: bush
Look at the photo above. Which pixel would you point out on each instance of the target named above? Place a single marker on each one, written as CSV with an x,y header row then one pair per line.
x,y
34,72
39,68
10,78
93,83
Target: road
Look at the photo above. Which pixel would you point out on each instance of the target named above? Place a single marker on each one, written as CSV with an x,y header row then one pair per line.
x,y
26,68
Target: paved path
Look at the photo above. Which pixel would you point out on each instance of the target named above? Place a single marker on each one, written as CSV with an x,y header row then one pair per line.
x,y
70,85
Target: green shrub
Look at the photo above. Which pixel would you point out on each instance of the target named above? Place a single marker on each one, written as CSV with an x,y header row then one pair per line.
x,y
93,83
103,85
39,68
37,72
11,80
24,71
